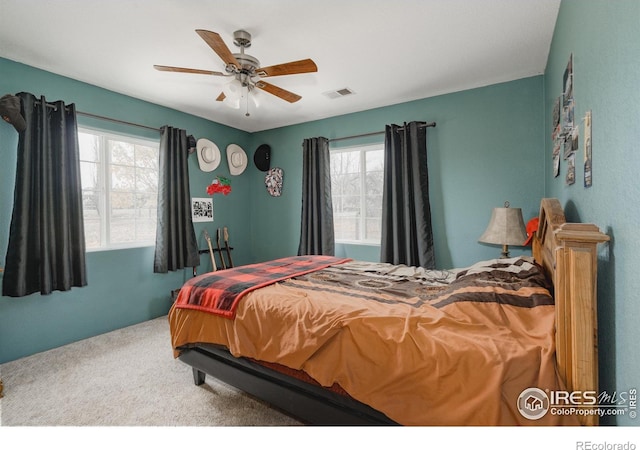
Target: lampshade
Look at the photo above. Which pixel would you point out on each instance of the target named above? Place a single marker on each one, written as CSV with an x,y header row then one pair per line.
x,y
506,227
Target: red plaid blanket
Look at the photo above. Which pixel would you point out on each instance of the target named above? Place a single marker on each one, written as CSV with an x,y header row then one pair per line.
x,y
219,292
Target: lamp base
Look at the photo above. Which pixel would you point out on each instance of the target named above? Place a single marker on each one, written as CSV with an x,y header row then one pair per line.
x,y
505,252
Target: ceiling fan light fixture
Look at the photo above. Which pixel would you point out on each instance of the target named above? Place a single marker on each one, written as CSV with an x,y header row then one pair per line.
x,y
232,94
253,97
237,94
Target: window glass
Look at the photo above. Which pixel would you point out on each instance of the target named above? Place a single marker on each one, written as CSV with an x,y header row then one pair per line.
x,y
119,189
356,189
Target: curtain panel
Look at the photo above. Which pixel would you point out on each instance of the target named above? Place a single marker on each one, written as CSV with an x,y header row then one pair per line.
x,y
407,236
46,250
176,245
316,228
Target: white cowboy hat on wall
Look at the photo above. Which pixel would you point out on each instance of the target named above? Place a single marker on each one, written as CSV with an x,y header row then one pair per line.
x,y
208,155
236,158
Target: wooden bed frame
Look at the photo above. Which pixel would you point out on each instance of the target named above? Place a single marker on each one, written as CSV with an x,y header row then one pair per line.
x,y
566,251
568,254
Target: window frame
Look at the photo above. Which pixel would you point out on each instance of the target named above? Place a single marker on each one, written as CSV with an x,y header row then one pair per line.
x,y
104,188
362,149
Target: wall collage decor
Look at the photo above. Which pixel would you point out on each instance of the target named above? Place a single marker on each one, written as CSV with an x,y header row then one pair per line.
x,y
565,134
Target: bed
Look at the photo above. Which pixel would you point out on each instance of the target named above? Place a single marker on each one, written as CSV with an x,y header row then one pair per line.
x,y
340,342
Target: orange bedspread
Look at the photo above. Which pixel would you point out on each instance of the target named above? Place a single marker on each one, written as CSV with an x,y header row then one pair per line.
x,y
423,347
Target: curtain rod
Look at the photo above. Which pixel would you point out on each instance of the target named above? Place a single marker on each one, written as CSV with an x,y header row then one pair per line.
x,y
95,116
426,124
124,122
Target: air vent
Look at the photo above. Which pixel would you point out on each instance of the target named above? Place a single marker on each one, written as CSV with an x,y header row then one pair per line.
x,y
339,93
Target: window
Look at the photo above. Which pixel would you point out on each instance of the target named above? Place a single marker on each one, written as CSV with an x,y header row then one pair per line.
x,y
356,192
119,189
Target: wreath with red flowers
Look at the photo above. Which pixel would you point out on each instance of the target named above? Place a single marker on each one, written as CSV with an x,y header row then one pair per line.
x,y
220,185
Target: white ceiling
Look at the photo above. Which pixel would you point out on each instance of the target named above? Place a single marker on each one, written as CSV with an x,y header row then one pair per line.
x,y
387,52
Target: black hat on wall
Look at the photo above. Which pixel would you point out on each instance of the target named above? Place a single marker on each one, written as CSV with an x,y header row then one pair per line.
x,y
192,144
262,157
10,112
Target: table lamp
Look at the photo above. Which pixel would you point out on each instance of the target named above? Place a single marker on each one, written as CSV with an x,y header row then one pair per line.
x,y
506,227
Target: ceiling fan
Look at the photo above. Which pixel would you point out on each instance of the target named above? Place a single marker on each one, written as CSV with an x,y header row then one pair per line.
x,y
245,68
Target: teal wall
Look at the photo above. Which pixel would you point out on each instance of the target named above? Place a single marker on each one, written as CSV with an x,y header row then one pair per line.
x,y
122,288
603,38
486,148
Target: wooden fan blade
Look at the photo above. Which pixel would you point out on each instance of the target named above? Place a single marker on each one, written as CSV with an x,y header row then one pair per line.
x,y
278,91
217,44
221,97
291,68
187,70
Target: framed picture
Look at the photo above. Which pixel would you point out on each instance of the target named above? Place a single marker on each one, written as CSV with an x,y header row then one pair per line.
x,y
568,105
202,209
567,81
556,158
587,173
587,150
571,169
555,124
571,143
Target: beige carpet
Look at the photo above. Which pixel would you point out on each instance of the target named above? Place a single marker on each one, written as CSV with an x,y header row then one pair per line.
x,y
127,377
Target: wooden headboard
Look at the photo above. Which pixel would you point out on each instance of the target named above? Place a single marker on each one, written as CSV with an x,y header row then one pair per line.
x,y
567,252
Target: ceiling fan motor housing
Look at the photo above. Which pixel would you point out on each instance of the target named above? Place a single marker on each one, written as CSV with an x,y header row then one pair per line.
x,y
248,63
242,38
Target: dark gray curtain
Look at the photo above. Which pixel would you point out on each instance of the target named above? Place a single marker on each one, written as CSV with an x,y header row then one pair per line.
x,y
316,229
46,250
407,236
176,246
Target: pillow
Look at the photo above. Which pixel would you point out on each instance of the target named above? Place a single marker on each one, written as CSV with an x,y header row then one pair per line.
x,y
510,273
515,281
